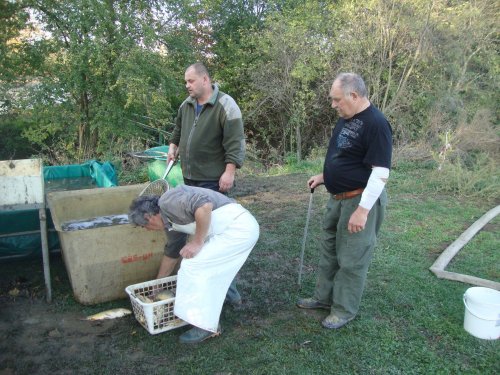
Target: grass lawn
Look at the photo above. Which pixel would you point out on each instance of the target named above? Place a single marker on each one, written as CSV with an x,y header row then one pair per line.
x,y
410,322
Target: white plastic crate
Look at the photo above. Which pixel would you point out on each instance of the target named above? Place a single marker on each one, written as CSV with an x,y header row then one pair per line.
x,y
156,317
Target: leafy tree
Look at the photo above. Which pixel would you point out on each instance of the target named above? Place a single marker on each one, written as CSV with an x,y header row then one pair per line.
x,y
102,62
77,78
13,17
470,64
286,95
410,53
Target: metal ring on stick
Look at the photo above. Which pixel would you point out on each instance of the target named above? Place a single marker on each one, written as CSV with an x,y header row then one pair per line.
x,y
148,154
158,187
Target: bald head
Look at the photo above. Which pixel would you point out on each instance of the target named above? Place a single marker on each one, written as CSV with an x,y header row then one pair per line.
x,y
200,69
348,95
351,82
198,82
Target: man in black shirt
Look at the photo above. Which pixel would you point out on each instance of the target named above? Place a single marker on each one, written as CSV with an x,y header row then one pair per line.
x,y
355,171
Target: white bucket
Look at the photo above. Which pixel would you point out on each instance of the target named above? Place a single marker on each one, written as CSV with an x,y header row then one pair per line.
x,y
482,312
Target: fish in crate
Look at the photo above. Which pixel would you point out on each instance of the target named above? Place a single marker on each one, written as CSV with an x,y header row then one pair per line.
x,y
153,304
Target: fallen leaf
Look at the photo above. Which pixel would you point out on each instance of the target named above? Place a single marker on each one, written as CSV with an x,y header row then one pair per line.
x,y
55,333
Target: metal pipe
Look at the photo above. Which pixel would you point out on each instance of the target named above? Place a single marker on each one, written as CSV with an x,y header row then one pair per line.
x,y
45,253
305,236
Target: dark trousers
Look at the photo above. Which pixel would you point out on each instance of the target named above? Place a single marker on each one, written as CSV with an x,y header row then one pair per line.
x,y
212,185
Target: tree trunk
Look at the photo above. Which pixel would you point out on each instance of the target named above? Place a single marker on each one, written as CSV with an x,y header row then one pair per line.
x,y
298,140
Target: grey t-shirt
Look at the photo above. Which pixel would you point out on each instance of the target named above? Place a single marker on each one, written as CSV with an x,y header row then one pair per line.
x,y
178,205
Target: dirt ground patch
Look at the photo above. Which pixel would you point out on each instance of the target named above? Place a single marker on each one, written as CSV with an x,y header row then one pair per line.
x,y
36,333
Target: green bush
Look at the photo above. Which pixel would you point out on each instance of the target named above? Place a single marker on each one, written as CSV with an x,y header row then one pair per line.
x,y
12,143
469,177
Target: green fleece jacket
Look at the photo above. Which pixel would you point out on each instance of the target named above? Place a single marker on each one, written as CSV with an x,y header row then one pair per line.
x,y
211,140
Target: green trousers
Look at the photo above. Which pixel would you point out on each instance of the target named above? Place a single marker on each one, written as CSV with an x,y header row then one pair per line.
x,y
345,257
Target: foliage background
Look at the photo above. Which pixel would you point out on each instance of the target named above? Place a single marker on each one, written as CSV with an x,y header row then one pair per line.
x,y
84,79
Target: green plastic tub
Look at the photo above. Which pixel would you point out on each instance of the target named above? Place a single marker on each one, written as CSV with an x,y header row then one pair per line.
x,y
157,166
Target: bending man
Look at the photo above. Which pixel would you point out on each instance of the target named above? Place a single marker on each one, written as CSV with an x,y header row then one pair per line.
x,y
223,234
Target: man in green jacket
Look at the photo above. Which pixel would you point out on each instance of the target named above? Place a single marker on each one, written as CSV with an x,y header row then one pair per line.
x,y
209,139
208,134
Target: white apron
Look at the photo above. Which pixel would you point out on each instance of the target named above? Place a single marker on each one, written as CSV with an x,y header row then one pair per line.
x,y
203,281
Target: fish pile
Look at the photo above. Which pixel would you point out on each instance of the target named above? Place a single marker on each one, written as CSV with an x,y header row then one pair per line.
x,y
158,311
162,296
95,222
120,312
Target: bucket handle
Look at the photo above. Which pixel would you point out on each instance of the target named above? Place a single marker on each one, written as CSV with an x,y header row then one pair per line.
x,y
480,317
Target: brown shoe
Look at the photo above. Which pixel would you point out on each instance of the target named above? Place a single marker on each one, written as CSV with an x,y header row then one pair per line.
x,y
311,303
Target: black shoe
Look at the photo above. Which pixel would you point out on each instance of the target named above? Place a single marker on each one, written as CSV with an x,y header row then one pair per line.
x,y
196,335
